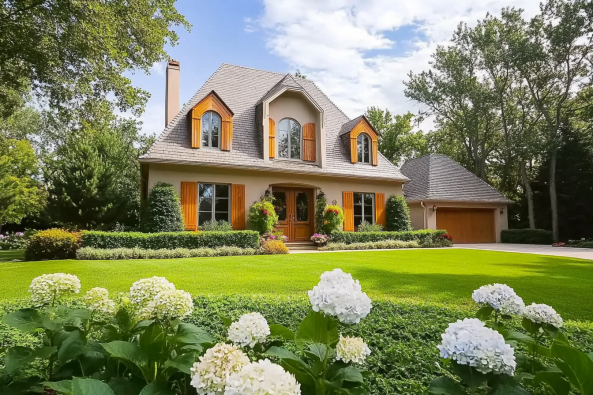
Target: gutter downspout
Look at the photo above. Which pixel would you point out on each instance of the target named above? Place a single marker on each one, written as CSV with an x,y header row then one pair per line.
x,y
423,213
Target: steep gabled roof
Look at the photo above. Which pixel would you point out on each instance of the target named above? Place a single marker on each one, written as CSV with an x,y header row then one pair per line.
x,y
348,126
242,89
438,177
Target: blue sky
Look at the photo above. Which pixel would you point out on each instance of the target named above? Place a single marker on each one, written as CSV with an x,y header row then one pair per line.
x,y
358,51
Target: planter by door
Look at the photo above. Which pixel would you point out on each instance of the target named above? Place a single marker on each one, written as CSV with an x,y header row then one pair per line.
x,y
294,207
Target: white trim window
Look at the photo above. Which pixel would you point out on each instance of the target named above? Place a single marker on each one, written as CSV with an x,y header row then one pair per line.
x,y
214,202
364,208
289,140
363,143
211,127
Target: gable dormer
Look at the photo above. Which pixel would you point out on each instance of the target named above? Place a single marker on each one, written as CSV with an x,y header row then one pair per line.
x,y
363,141
292,121
211,124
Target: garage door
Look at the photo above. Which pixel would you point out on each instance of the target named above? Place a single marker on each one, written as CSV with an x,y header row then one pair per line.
x,y
467,225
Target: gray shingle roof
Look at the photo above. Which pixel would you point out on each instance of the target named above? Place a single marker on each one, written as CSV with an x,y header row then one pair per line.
x,y
242,89
438,177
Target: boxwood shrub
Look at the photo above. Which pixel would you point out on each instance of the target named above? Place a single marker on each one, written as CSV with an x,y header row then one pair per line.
x,y
526,236
421,236
170,240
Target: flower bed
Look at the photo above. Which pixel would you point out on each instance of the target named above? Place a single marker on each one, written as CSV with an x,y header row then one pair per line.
x,y
421,236
170,240
90,253
12,241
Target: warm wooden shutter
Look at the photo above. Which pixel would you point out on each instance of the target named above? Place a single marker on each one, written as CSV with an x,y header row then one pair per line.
x,y
195,125
189,204
348,202
353,150
380,209
375,158
238,207
272,132
309,142
227,135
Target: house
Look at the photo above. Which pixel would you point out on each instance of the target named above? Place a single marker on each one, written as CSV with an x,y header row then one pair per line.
x,y
249,132
442,194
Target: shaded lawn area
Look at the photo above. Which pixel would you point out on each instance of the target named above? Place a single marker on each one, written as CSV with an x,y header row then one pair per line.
x,y
9,255
424,276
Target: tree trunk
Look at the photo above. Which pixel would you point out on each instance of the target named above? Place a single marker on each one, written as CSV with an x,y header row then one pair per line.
x,y
553,196
529,193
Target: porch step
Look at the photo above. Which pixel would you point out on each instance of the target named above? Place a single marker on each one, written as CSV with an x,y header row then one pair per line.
x,y
301,245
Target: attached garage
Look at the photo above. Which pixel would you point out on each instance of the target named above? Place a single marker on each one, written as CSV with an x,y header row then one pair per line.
x,y
468,225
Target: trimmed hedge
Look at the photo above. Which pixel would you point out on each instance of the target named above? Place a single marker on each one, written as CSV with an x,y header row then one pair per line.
x,y
373,245
170,240
52,244
526,236
580,243
421,236
89,253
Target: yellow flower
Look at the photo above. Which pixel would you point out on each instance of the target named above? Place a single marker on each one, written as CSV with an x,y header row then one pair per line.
x,y
326,222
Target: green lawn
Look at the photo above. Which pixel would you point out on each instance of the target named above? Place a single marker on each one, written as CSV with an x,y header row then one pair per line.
x,y
425,276
9,255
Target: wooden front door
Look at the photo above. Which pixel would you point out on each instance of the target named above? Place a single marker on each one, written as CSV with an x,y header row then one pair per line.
x,y
294,207
467,225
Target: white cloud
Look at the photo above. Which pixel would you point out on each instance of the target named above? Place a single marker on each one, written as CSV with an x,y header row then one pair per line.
x,y
153,119
346,46
158,68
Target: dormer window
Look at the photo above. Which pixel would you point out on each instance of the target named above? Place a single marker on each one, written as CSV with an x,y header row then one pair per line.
x,y
211,129
364,148
289,139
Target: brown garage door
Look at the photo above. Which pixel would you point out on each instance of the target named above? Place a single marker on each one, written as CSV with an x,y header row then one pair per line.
x,y
467,225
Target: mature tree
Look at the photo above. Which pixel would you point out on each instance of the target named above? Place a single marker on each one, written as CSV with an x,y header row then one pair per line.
x,y
397,140
20,190
70,50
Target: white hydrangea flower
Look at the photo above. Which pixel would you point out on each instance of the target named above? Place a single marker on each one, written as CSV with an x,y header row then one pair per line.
x,y
339,295
352,349
501,297
168,305
210,375
469,342
251,329
542,314
262,378
48,287
143,291
97,299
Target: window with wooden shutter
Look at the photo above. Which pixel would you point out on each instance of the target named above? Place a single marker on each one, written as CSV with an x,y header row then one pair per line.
x,y
309,142
363,126
272,132
380,209
189,202
348,203
238,207
212,103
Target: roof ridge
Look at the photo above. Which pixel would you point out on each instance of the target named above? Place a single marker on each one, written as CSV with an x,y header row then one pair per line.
x,y
252,68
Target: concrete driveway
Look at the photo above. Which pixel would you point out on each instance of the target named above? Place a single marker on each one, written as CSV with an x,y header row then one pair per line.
x,y
581,253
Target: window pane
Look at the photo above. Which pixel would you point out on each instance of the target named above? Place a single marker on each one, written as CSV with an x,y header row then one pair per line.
x,y
358,198
302,207
215,129
222,217
367,151
360,147
368,218
222,204
207,216
283,144
205,204
357,209
222,191
206,129
368,199
280,205
205,190
205,193
284,126
357,220
295,140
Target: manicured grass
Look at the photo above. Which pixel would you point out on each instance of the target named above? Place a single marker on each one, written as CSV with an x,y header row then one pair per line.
x,y
421,276
9,255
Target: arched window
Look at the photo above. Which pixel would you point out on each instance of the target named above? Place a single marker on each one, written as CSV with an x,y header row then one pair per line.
x,y
211,125
364,148
289,139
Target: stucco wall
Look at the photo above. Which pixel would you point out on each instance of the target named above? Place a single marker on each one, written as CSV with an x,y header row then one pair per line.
x,y
416,216
256,182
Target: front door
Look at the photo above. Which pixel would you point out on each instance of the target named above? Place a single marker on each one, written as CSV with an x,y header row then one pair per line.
x,y
294,207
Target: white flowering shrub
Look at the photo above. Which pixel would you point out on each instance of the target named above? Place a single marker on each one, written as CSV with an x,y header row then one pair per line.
x,y
251,329
48,288
542,314
169,304
262,378
97,300
210,375
352,349
339,295
500,297
143,291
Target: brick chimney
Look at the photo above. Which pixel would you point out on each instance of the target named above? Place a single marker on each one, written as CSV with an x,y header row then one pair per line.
x,y
172,91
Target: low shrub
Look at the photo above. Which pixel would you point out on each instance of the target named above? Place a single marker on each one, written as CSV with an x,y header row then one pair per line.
x,y
333,218
52,244
216,226
164,210
580,243
526,236
13,241
368,227
376,245
262,215
397,214
170,240
90,254
421,236
274,247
